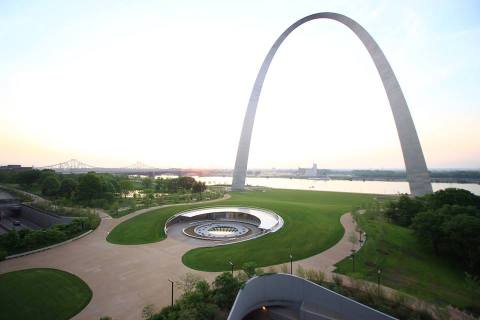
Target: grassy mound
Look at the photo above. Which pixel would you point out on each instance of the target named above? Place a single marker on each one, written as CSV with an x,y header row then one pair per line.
x,y
406,264
145,228
42,294
312,224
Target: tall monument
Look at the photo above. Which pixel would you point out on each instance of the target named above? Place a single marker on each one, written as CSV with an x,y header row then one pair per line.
x,y
417,173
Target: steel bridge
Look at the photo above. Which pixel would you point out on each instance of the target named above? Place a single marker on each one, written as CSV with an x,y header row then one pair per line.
x,y
137,168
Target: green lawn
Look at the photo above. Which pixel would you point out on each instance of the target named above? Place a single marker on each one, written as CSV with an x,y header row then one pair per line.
x,y
312,224
42,294
145,228
406,264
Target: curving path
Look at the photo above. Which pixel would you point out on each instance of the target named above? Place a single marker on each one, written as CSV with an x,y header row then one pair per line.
x,y
326,260
124,279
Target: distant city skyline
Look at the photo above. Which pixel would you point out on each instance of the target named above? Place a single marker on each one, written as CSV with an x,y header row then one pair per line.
x,y
168,83
146,165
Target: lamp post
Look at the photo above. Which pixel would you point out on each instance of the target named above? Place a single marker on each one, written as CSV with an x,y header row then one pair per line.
x,y
353,259
291,264
378,281
231,264
171,282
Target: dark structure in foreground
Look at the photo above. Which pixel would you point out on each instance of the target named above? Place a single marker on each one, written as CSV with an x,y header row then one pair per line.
x,y
284,296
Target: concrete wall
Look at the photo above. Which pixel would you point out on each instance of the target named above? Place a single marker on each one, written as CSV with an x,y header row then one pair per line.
x,y
39,218
417,173
312,301
234,216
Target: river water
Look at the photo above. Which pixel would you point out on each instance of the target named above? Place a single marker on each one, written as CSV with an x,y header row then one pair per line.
x,y
377,187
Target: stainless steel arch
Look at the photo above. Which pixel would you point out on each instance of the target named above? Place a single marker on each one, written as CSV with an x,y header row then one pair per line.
x,y
417,173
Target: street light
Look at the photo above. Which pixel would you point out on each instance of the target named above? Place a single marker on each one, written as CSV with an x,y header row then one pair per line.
x,y
353,259
291,264
172,290
231,264
378,281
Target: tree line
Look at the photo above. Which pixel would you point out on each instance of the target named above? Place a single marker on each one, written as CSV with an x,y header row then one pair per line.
x,y
94,189
447,220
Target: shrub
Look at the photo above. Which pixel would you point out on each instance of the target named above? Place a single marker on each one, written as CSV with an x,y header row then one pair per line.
x,y
315,276
147,312
50,185
3,254
404,210
337,279
225,290
259,271
249,268
188,282
300,271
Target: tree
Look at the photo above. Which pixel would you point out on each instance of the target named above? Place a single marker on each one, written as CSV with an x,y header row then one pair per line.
x,y
90,187
473,285
452,196
428,227
147,183
160,185
188,282
196,304
50,185
403,210
199,187
149,196
28,178
44,174
172,185
125,186
226,287
108,190
186,182
68,187
463,234
3,254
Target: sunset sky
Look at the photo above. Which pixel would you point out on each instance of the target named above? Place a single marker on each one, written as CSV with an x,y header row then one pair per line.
x,y
167,83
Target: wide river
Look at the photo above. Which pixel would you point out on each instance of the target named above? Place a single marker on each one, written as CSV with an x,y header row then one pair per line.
x,y
377,187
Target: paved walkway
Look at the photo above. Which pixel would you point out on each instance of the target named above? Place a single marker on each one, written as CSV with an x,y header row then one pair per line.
x,y
326,260
124,279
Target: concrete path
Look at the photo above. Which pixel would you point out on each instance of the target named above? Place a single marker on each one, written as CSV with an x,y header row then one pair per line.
x,y
326,260
124,279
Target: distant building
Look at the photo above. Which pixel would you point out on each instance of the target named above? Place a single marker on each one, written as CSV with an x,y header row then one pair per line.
x,y
308,172
14,168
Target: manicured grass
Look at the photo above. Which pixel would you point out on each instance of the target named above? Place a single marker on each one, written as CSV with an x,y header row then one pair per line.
x,y
42,294
406,264
145,228
312,224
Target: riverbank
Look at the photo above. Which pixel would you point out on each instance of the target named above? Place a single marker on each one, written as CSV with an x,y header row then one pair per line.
x,y
354,186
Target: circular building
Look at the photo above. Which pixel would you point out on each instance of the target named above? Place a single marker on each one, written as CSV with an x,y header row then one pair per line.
x,y
223,224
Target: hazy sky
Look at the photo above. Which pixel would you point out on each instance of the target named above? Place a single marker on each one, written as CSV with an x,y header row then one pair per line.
x,y
167,82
